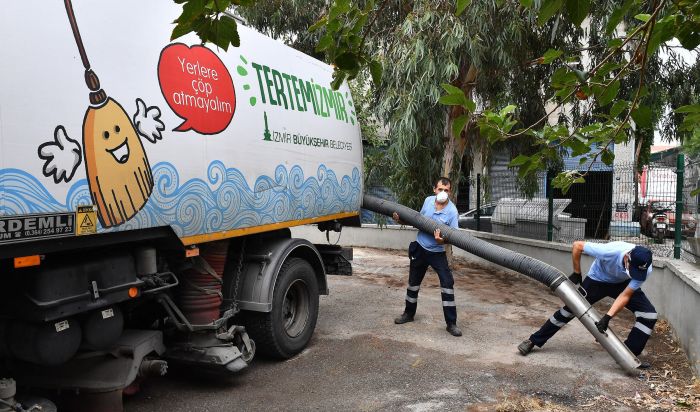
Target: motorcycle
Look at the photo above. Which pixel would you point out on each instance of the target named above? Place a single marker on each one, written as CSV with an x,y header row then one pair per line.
x,y
659,226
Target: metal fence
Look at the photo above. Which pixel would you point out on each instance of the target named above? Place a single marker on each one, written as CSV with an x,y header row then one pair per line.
x,y
623,202
367,216
637,205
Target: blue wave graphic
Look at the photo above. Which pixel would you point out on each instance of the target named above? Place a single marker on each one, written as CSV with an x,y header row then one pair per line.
x,y
22,194
223,202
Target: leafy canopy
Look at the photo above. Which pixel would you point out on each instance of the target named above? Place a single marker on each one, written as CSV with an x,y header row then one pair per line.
x,y
609,91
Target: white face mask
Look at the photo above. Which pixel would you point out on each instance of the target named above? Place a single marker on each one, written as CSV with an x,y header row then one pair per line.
x,y
441,197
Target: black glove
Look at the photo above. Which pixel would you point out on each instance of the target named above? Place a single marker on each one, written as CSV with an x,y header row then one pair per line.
x,y
602,325
575,278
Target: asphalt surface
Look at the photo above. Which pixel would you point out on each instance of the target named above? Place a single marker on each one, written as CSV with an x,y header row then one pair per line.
x,y
360,360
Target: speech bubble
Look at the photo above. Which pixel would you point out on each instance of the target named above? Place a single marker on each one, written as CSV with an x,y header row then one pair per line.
x,y
198,88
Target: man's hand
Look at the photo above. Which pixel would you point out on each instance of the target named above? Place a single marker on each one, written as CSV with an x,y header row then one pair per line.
x,y
396,218
575,278
602,324
438,236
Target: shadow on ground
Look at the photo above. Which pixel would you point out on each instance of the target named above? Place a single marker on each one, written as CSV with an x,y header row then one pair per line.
x,y
360,360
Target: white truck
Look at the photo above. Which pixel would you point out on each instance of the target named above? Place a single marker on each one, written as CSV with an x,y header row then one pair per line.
x,y
146,191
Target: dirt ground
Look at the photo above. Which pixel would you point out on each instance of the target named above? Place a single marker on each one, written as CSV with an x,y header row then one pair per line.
x,y
360,360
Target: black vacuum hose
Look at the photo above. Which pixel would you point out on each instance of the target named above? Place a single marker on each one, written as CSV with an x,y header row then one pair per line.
x,y
518,262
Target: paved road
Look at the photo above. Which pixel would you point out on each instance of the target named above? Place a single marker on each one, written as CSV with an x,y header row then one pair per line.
x,y
359,360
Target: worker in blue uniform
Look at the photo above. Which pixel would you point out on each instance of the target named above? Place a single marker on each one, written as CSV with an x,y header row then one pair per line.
x,y
618,271
429,250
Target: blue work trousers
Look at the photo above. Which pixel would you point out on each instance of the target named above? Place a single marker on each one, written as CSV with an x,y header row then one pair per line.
x,y
420,260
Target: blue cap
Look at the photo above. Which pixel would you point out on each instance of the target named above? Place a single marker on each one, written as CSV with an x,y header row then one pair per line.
x,y
640,260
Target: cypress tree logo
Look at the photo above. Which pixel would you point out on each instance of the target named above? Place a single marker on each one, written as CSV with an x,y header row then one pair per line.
x,y
266,135
302,139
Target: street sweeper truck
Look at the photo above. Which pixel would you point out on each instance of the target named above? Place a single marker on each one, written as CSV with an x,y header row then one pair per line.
x,y
146,191
147,188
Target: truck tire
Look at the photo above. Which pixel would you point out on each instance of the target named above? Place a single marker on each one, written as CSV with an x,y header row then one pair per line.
x,y
287,329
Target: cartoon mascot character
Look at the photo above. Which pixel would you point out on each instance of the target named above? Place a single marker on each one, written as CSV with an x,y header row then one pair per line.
x,y
117,168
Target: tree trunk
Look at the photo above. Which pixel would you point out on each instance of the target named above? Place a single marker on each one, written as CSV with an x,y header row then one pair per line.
x,y
456,145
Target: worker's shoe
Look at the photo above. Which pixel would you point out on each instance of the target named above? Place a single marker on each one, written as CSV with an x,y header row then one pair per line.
x,y
454,330
526,347
404,318
644,365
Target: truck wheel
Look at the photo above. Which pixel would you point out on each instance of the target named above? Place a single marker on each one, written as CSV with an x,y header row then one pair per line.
x,y
287,329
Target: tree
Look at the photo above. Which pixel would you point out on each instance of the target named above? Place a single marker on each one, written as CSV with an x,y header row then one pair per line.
x,y
479,57
288,21
620,94
613,97
622,59
476,58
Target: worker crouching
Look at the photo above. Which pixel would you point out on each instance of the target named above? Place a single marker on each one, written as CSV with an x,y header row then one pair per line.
x,y
618,271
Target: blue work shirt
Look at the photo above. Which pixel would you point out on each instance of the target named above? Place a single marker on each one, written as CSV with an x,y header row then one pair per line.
x,y
448,215
608,265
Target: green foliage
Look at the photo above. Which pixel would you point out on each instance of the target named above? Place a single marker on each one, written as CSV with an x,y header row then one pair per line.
x,y
548,9
345,27
207,20
288,21
565,179
691,125
456,97
427,53
642,116
424,52
363,98
461,6
529,185
495,125
617,15
620,95
550,56
376,70
578,10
